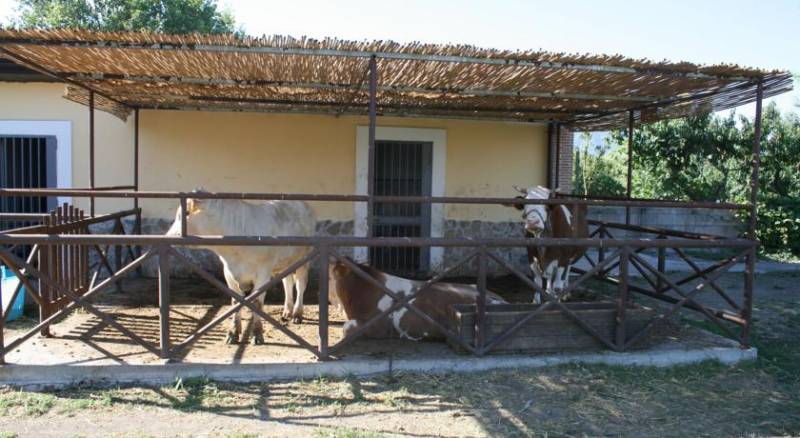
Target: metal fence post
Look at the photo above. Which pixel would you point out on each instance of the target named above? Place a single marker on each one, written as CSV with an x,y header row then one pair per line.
x,y
183,216
747,305
323,301
2,329
480,321
91,152
662,266
622,297
629,174
163,300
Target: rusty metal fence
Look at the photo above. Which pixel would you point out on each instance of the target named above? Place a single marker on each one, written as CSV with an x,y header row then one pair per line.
x,y
608,255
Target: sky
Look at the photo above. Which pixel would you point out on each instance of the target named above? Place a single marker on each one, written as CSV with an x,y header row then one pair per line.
x,y
746,32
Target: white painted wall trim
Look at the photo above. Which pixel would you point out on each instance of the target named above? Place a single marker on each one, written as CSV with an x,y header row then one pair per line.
x,y
62,131
439,139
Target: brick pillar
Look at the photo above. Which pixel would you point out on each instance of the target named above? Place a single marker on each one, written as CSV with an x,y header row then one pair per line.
x,y
563,160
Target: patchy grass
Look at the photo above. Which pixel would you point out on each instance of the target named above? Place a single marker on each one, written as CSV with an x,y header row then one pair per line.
x,y
340,432
757,398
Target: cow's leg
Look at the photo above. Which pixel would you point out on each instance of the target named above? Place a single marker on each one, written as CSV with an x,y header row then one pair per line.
x,y
258,324
558,283
538,279
550,275
565,282
288,298
301,277
235,329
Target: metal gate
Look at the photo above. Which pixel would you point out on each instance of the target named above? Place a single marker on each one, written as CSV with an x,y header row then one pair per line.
x,y
402,169
26,162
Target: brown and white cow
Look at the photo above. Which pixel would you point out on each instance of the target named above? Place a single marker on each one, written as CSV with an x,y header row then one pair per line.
x,y
249,267
361,301
553,263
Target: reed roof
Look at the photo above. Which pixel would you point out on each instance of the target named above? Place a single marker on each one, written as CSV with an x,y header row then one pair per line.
x,y
284,74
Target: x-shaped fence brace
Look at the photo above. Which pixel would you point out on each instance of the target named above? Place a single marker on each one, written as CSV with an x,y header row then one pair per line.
x,y
687,297
241,301
660,292
553,300
25,271
405,302
102,254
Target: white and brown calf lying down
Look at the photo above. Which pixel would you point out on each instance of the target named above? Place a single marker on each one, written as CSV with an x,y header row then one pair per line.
x,y
361,301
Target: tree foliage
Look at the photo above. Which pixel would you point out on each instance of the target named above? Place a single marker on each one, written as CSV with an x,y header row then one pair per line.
x,y
165,16
598,170
709,158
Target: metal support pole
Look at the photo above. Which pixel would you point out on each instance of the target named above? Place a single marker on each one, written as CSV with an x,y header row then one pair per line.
x,y
756,162
480,321
662,267
183,216
137,224
629,176
747,305
323,301
550,140
91,150
558,157
622,297
373,111
3,328
163,300
136,155
750,274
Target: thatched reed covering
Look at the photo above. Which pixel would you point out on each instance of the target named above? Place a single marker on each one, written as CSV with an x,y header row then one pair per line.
x,y
284,74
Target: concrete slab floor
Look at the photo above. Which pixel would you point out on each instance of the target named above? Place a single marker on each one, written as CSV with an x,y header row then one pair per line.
x,y
86,350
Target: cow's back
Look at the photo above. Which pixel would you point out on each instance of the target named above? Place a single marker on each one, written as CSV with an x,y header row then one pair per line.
x,y
261,218
265,218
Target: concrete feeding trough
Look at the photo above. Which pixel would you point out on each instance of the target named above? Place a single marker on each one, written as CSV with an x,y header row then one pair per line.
x,y
551,330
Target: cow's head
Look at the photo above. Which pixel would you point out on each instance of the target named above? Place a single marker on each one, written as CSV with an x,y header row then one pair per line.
x,y
534,216
197,215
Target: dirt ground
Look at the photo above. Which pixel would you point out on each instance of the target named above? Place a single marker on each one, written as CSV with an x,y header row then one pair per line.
x,y
708,399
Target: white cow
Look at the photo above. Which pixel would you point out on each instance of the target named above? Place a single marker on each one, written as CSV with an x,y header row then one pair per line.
x,y
247,268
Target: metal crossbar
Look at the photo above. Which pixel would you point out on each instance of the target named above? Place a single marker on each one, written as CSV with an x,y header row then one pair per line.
x,y
242,301
16,264
687,298
551,301
398,303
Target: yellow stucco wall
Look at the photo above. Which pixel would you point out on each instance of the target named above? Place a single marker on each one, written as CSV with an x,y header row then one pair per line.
x,y
226,151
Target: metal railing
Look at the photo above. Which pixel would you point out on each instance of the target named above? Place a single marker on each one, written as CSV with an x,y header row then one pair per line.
x,y
624,255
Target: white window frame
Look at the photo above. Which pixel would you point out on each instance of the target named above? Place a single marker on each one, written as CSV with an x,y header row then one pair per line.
x,y
62,131
434,135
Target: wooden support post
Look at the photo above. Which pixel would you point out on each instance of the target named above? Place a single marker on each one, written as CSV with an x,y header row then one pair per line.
x,y
622,297
480,321
163,300
324,252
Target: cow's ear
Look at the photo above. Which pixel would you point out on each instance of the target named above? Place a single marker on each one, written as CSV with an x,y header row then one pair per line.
x,y
517,205
340,269
193,205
